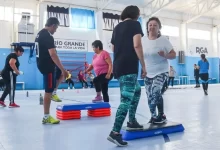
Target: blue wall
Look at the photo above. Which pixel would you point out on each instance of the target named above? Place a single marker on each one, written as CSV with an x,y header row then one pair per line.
x,y
33,79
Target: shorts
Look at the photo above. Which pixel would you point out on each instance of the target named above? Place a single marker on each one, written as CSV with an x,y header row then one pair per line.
x,y
58,73
49,82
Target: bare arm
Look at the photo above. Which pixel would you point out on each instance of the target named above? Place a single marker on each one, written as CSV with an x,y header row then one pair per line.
x,y
13,66
56,59
139,50
90,68
109,61
171,55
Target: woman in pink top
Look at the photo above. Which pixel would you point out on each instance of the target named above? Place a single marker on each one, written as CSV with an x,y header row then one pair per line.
x,y
102,65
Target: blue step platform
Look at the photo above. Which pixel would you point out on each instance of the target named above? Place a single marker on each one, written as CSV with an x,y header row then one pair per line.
x,y
83,106
152,130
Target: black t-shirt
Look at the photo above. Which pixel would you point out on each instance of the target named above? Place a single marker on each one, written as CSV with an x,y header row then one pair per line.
x,y
125,58
43,42
7,67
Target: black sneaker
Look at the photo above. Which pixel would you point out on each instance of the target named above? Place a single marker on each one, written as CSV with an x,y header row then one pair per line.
x,y
152,120
117,139
134,126
206,92
160,119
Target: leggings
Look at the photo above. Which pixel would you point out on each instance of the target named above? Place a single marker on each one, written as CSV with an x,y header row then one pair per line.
x,y
130,95
83,81
70,81
10,83
153,90
101,84
205,80
170,79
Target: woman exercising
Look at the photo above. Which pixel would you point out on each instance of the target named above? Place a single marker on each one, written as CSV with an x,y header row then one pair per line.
x,y
203,66
157,51
9,75
102,65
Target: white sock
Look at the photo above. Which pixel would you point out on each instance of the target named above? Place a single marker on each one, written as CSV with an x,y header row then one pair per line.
x,y
46,116
54,92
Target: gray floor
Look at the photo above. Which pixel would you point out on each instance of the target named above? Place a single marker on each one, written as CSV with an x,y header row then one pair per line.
x,y
21,128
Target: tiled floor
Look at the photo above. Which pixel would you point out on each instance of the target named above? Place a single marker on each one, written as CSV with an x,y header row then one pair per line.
x,y
21,129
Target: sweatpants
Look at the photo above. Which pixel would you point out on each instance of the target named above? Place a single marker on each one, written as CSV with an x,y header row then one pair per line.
x,y
10,84
153,90
101,84
205,80
130,95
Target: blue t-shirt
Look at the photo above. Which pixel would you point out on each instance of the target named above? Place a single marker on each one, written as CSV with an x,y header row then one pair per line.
x,y
203,67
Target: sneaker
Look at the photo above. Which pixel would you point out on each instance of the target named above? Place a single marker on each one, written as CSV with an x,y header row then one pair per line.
x,y
160,119
50,120
117,139
55,98
2,104
97,99
206,92
134,126
13,105
152,120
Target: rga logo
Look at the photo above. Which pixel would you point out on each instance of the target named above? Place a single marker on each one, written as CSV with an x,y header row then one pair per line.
x,y
201,50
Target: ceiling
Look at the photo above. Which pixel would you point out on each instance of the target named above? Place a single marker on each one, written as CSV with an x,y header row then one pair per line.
x,y
190,8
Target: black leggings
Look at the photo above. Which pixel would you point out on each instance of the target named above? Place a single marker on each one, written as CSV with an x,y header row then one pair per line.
x,y
172,79
101,84
10,83
83,81
70,81
205,80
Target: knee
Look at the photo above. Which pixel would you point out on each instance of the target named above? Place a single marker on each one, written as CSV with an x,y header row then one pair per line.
x,y
127,94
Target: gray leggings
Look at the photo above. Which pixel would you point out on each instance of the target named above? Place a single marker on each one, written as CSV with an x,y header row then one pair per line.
x,y
153,90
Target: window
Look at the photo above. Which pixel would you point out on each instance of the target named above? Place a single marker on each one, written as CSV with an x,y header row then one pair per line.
x,y
82,18
199,34
170,30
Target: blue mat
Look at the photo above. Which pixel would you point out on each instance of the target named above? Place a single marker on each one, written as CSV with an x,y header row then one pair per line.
x,y
152,130
83,106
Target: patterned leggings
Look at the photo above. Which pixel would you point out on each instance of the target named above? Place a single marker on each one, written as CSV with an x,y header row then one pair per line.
x,y
153,89
130,95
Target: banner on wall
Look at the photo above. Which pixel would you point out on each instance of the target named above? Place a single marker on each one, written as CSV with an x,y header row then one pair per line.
x,y
71,45
197,51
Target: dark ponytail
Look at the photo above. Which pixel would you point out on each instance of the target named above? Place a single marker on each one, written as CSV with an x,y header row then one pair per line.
x,y
204,58
18,48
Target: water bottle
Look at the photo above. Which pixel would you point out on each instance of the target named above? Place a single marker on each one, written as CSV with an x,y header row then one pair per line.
x,y
41,100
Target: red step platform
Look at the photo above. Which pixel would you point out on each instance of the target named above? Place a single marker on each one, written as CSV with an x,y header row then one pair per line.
x,y
68,115
99,112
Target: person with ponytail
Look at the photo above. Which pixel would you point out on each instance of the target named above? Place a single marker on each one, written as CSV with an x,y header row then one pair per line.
x,y
9,75
203,65
157,50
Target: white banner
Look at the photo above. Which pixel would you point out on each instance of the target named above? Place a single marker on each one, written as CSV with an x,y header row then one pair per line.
x,y
71,45
198,47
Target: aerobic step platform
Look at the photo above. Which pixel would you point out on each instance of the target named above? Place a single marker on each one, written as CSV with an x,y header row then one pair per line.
x,y
152,130
73,111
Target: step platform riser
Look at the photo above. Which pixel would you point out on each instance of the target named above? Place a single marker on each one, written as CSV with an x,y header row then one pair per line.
x,y
150,131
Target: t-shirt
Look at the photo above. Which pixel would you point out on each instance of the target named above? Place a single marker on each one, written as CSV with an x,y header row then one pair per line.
x,y
99,64
203,67
43,42
7,67
81,76
125,58
156,64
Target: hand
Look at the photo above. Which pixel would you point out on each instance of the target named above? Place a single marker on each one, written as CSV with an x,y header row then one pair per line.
x,y
108,76
143,73
65,73
162,54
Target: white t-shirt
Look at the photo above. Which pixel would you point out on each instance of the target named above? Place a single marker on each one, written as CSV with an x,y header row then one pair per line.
x,y
156,64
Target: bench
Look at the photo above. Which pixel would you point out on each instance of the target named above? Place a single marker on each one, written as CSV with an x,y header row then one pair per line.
x,y
22,83
211,80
